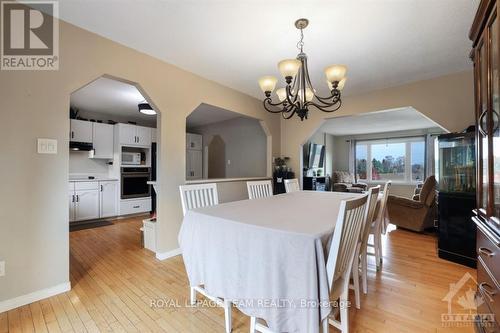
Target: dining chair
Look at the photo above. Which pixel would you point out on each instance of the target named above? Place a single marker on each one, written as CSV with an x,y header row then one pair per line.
x,y
292,185
377,225
259,189
198,196
350,219
360,262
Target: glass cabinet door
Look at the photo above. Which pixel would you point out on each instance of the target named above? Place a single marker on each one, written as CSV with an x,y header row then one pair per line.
x,y
482,114
495,109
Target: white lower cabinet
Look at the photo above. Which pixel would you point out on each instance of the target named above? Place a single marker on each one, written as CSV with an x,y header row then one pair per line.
x,y
134,206
72,205
108,198
92,200
87,205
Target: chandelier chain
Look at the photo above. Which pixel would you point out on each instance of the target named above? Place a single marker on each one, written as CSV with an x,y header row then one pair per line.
x,y
300,44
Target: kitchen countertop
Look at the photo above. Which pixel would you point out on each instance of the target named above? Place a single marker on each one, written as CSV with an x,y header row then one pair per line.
x,y
97,179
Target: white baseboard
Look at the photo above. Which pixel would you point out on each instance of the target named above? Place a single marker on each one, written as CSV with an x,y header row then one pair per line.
x,y
34,296
169,254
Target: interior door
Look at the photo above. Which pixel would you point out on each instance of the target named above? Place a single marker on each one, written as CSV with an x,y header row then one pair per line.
x,y
197,164
109,198
87,205
189,163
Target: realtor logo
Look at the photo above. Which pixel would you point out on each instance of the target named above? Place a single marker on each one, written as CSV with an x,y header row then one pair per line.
x,y
464,294
29,35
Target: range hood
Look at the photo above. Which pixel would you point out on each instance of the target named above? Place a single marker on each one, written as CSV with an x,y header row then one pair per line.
x,y
82,146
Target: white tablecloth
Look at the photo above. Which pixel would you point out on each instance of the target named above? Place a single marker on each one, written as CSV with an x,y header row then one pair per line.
x,y
267,255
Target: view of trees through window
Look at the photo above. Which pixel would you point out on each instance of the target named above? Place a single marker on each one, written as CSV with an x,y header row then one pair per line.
x,y
399,160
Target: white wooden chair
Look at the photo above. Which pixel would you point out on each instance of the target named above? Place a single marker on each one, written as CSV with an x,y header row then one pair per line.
x,y
292,185
349,223
259,189
198,196
376,227
360,263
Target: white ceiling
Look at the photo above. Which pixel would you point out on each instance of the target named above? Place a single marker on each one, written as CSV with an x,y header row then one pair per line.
x,y
401,119
384,42
112,98
206,114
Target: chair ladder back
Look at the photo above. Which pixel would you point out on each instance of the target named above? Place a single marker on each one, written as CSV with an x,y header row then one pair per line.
x,y
371,207
292,185
345,237
198,196
383,207
259,189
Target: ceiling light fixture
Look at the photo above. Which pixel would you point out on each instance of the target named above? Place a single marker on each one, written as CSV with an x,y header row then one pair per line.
x,y
145,108
299,93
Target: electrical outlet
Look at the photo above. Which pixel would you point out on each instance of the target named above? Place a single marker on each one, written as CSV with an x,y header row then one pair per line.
x,y
2,268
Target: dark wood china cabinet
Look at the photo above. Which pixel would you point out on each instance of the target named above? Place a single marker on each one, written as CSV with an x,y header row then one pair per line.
x,y
485,36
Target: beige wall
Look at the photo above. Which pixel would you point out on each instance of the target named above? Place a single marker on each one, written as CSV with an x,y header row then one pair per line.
x,y
243,143
447,100
35,104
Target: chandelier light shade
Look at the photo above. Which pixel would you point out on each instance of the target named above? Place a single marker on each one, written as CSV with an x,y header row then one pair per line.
x,y
267,83
289,67
335,73
299,94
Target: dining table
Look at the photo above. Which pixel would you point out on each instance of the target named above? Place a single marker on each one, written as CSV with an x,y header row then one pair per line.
x,y
267,256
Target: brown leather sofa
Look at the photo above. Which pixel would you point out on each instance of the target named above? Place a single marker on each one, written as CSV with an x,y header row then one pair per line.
x,y
417,213
343,181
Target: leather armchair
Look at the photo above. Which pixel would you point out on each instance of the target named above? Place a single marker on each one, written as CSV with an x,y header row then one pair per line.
x,y
343,181
417,213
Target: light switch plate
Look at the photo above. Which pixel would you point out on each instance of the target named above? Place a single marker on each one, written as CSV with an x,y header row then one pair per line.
x,y
47,146
2,268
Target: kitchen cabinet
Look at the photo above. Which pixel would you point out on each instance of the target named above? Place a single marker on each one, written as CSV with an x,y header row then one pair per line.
x,y
87,205
81,131
102,139
194,156
194,141
194,164
143,136
132,135
108,200
90,200
135,206
72,200
485,35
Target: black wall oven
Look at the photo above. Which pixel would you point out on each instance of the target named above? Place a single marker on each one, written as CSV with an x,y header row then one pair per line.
x,y
134,183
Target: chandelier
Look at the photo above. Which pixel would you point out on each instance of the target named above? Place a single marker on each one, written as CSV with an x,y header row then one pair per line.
x,y
299,94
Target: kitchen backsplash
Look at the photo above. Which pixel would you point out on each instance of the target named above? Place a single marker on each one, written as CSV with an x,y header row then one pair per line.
x,y
80,163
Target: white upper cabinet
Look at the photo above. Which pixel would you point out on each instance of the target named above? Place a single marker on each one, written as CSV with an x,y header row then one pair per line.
x,y
81,131
194,141
102,139
143,135
127,134
132,135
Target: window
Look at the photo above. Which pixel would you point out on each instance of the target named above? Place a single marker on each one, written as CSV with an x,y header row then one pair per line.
x,y
401,160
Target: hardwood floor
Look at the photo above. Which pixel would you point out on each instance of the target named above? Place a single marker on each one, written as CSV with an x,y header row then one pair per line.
x,y
114,282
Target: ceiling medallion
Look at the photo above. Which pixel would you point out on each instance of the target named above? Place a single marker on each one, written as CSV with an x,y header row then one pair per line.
x,y
299,93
